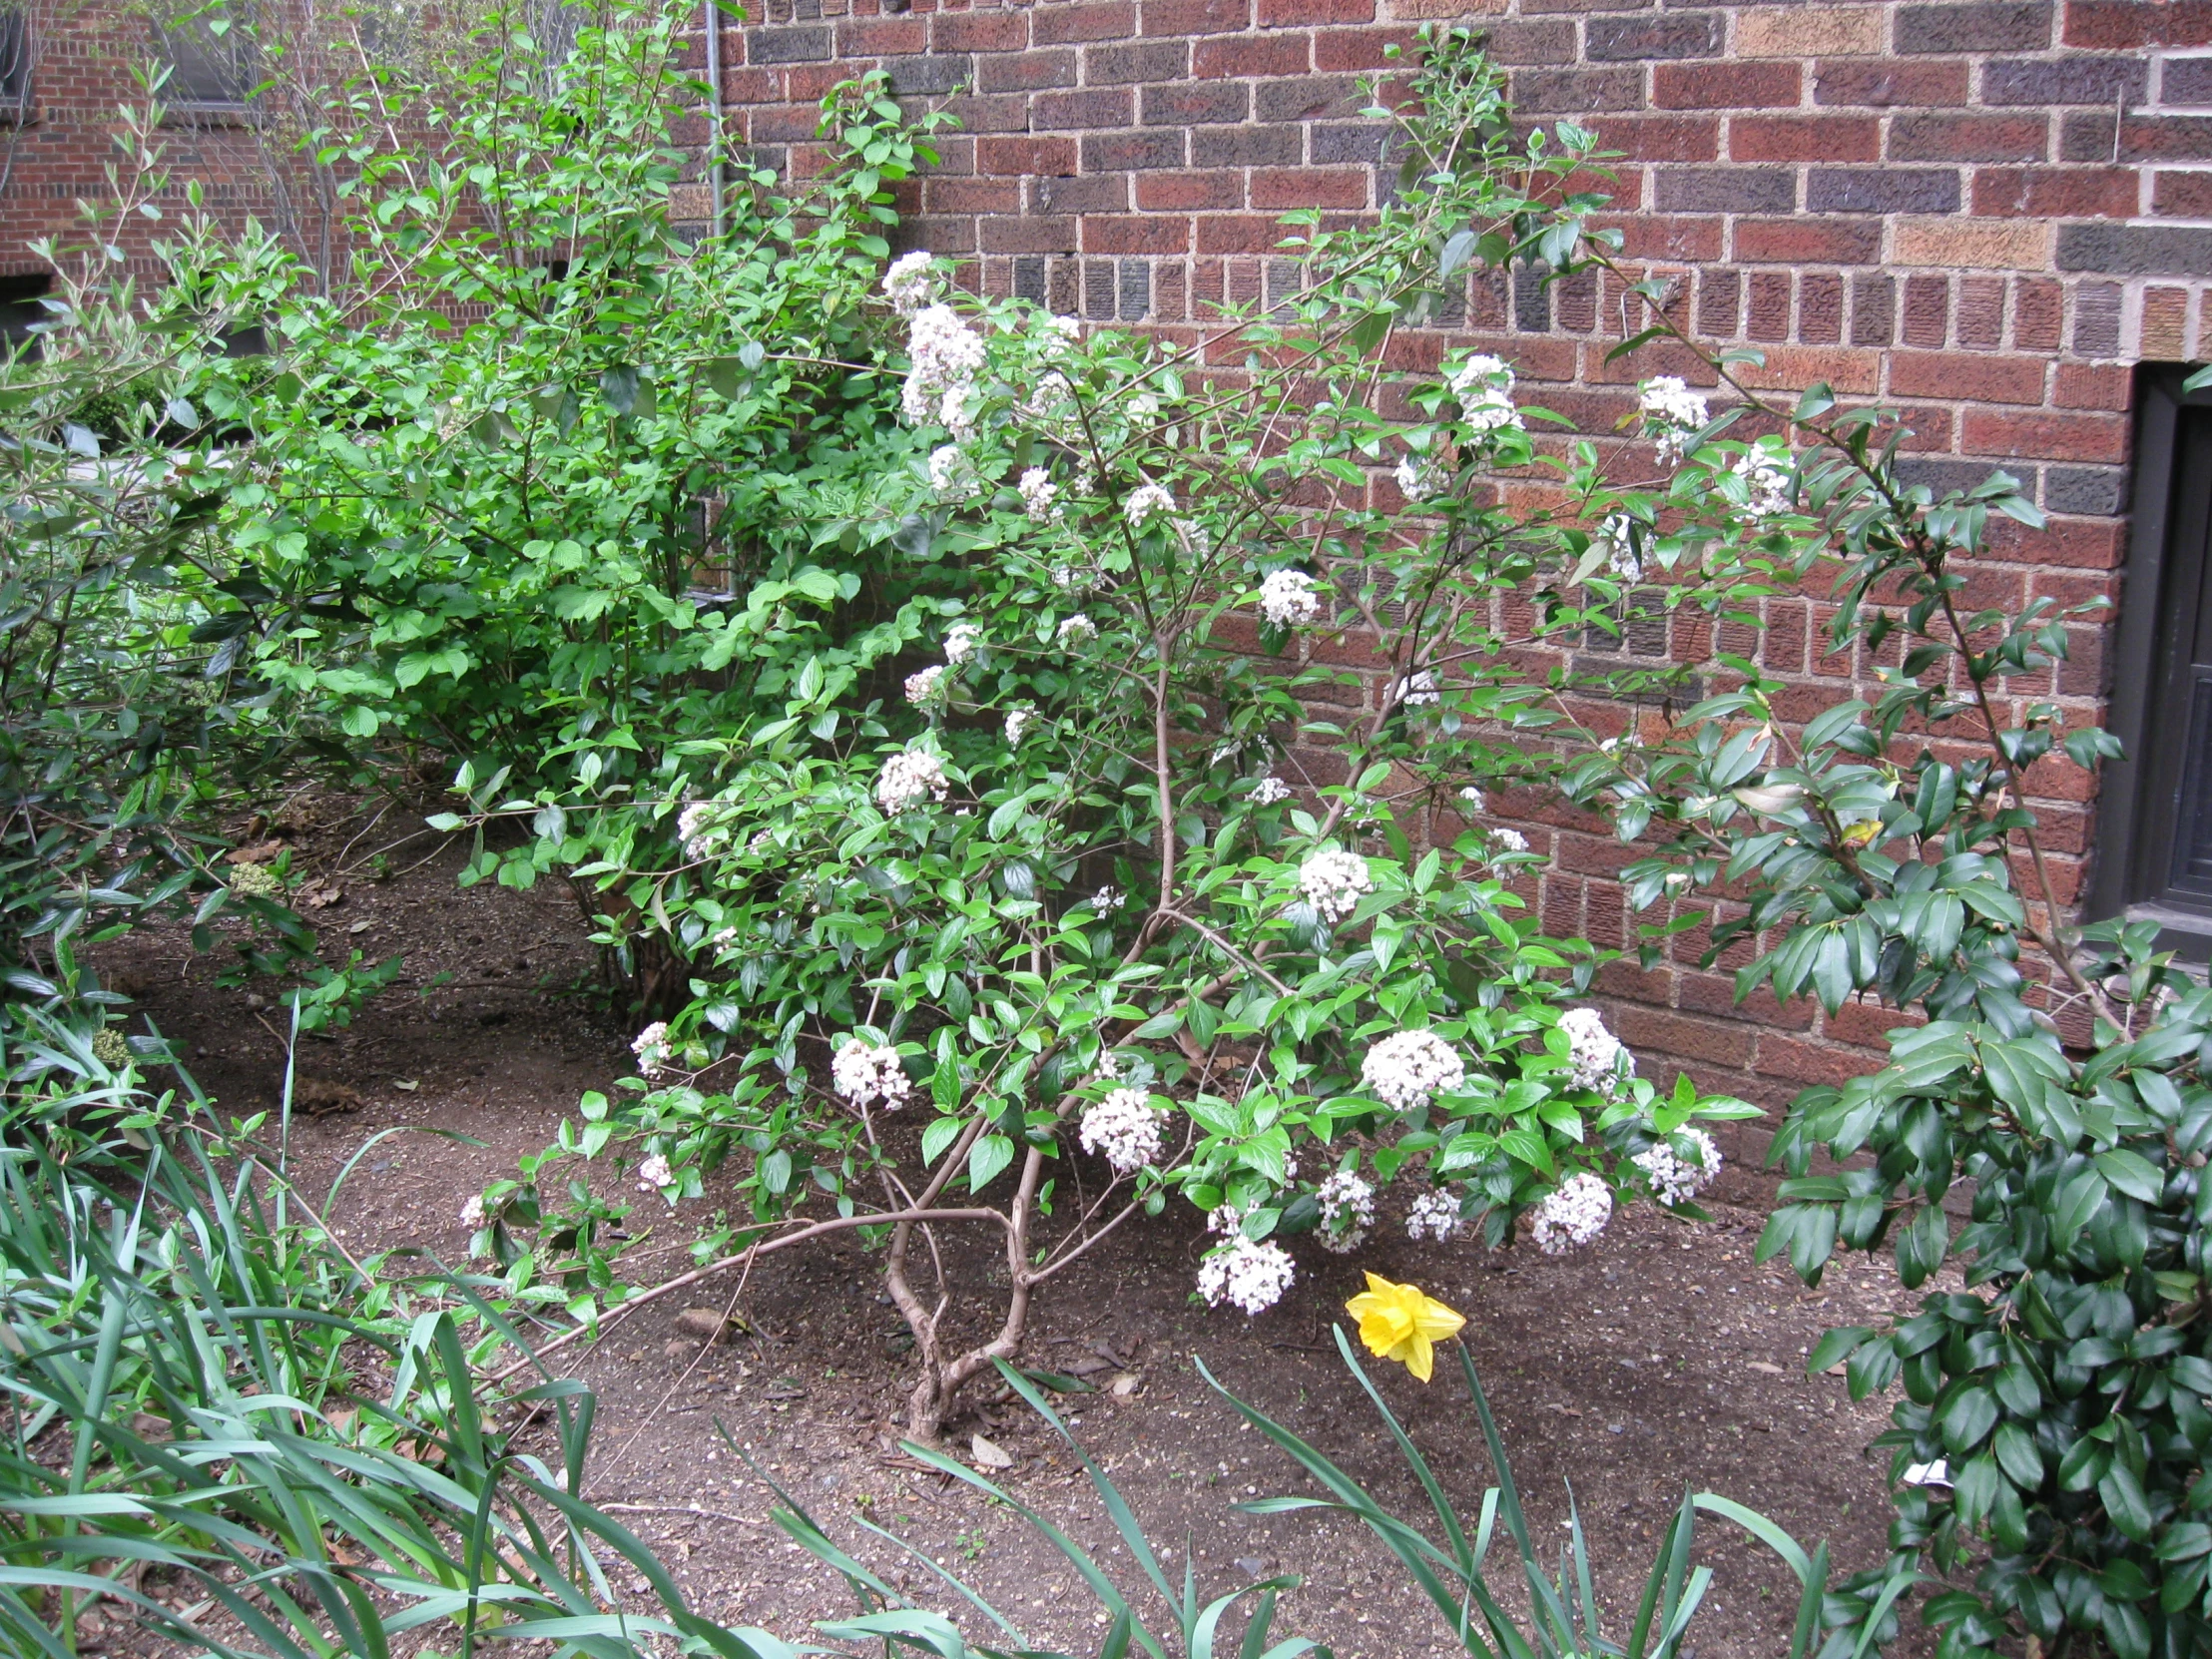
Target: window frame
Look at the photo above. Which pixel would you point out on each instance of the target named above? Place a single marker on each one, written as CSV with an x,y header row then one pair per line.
x,y
2129,836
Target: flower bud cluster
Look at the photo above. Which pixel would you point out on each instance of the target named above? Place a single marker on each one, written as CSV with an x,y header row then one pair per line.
x,y
909,777
1269,791
1596,1054
1333,882
1573,1213
945,356
1483,385
1346,1211
1252,1277
1675,1179
865,1073
1434,1215
653,1049
1672,413
1289,598
1405,1068
1124,1129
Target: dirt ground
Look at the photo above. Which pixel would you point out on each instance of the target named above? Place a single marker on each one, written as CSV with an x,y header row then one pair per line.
x,y
1659,1359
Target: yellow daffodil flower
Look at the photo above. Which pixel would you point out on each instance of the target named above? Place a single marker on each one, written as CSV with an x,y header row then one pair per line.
x,y
1397,1322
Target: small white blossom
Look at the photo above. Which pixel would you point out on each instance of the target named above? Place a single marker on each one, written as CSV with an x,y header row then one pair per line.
x,y
1595,1053
1038,492
1768,479
1510,841
945,354
952,474
1289,598
1406,1068
1251,1276
1434,1215
1417,479
1333,882
1144,502
1017,722
928,687
688,823
1124,1128
655,1173
1573,1214
961,641
1224,1219
1483,385
1109,1067
1419,690
652,1048
1674,1178
863,1073
1077,630
909,777
1269,789
1617,536
1346,1211
1108,900
1672,413
472,1213
910,284
1471,798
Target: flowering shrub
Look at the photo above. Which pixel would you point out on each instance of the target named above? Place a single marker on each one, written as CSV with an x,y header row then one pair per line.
x,y
1011,826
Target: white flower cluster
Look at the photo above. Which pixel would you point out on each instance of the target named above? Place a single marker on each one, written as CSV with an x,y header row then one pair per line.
x,y
1108,900
1419,690
1768,479
1224,1219
655,1173
910,284
926,689
1573,1214
1472,800
1333,882
1124,1128
1038,492
1483,385
1417,479
472,1213
1434,1215
864,1074
1017,722
1077,630
1595,1052
945,354
653,1048
1617,536
951,474
1144,502
1672,413
1269,789
688,824
1405,1068
961,641
1674,1178
1251,1276
1289,598
909,777
1510,841
1346,1211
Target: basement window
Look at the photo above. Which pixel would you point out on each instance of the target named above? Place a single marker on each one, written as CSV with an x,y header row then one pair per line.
x,y
2154,811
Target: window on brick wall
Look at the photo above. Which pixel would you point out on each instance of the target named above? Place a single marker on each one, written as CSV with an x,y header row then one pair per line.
x,y
20,307
2154,814
213,64
15,68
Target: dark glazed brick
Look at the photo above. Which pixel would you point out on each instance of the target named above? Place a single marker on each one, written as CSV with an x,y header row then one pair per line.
x,y
1024,71
2098,490
788,46
1541,41
2067,81
1029,279
1070,111
1981,313
1734,86
2186,81
1888,189
1725,190
1532,299
1246,147
1578,302
1147,60
1101,193
1310,98
2136,249
1943,476
1992,26
1873,307
1115,152
1099,290
2039,313
1350,144
1191,104
1134,289
1634,39
1576,91
1769,317
2096,331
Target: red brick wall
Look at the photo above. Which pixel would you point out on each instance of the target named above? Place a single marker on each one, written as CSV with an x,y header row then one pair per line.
x,y
1982,211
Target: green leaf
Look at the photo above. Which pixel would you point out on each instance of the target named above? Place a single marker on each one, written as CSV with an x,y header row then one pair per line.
x,y
2132,1172
989,1155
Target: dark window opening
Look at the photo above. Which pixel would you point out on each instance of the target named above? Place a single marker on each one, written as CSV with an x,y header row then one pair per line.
x,y
20,307
213,65
2154,811
15,67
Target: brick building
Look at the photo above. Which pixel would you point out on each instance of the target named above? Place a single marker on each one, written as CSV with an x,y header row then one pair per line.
x,y
1996,213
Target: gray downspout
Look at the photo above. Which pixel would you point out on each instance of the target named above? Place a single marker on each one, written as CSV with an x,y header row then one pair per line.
x,y
717,181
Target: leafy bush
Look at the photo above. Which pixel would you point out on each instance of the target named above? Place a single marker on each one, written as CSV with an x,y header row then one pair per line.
x,y
1563,1620
1887,851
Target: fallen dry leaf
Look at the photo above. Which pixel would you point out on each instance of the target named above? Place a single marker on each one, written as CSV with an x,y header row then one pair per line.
x,y
990,1454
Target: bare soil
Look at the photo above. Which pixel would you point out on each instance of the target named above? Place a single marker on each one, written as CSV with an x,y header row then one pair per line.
x,y
1658,1361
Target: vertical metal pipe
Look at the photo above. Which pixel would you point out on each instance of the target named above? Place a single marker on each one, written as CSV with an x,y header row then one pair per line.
x,y
717,180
